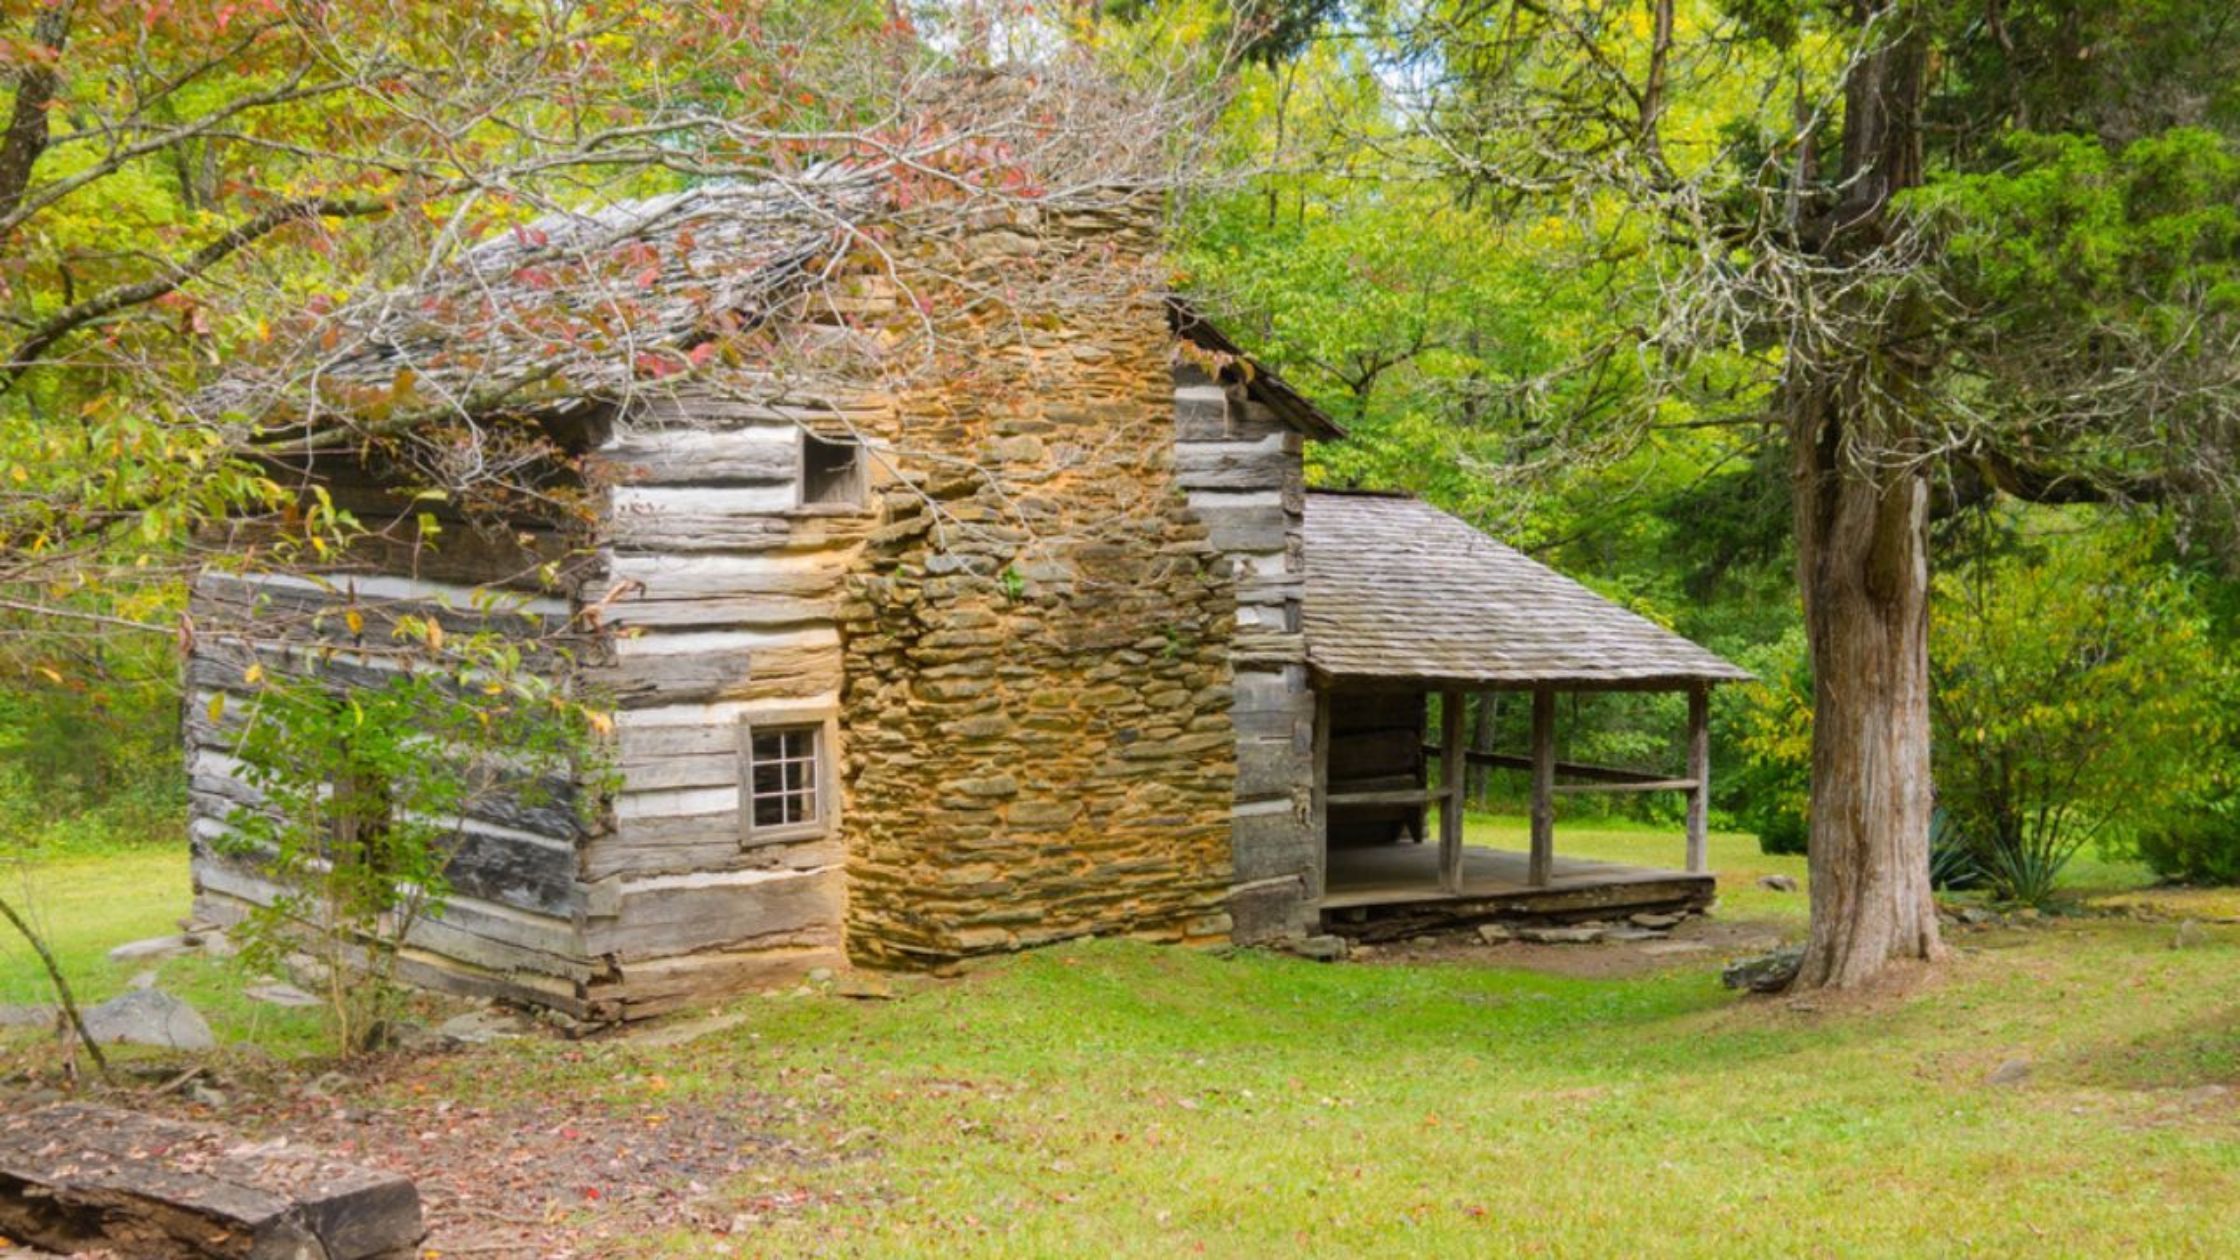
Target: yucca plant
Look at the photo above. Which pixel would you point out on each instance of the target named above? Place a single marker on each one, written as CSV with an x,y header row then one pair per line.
x,y
1952,864
2027,872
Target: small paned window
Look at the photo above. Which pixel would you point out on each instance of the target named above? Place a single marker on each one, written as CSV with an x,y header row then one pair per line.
x,y
831,471
784,781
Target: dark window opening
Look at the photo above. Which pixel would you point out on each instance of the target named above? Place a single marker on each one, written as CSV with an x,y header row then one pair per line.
x,y
831,470
359,808
784,788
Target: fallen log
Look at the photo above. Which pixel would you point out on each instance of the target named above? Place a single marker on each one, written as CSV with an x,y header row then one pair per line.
x,y
75,1177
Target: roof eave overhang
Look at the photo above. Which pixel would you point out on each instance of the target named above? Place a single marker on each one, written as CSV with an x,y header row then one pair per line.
x,y
1401,680
1262,385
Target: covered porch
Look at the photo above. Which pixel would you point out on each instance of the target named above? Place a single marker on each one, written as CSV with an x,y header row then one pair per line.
x,y
1500,878
1404,603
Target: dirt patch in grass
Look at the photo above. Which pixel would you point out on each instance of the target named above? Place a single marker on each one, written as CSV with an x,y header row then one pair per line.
x,y
1702,943
546,1174
1900,982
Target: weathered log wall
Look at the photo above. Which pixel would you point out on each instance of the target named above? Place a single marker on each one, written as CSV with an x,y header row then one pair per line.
x,y
511,926
1376,746
716,592
1241,468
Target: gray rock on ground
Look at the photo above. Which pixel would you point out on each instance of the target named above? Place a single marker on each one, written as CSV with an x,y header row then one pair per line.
x,y
305,970
1581,935
1778,883
150,950
2011,1072
279,994
863,987
1767,973
1657,922
481,1027
1496,933
149,1017
683,1032
403,1034
35,1015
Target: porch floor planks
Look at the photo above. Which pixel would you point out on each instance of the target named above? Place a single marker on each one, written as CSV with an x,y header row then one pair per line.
x,y
1408,874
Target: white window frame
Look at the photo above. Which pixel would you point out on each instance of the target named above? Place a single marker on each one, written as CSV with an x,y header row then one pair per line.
x,y
823,744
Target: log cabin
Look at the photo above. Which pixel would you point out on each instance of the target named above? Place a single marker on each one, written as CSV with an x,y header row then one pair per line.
x,y
1046,639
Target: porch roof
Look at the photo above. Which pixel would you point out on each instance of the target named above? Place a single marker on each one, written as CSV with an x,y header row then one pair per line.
x,y
1398,590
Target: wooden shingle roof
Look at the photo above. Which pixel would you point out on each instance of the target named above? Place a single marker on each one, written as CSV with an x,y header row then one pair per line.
x,y
1399,590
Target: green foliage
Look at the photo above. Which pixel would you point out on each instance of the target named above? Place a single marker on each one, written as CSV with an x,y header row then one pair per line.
x,y
2071,220
366,793
2076,693
2076,696
1773,720
1952,860
89,750
2199,843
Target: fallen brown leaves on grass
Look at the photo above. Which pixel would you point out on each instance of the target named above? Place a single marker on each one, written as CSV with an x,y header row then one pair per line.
x,y
552,1177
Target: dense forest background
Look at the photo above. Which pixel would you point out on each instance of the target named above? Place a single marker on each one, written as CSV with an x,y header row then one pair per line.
x,y
1490,310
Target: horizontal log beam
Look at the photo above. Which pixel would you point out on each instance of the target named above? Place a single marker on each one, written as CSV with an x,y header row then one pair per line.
x,y
1397,796
1638,785
1649,780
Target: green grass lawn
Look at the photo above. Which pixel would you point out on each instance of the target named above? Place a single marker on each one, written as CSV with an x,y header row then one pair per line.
x,y
87,902
84,904
1119,1099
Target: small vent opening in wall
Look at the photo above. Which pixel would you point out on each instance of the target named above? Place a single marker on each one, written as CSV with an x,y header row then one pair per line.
x,y
831,470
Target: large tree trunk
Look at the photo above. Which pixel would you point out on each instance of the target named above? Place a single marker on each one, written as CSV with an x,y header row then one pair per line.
x,y
1863,563
1862,517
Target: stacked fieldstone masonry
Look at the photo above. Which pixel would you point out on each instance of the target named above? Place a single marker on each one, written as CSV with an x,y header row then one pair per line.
x,y
1036,648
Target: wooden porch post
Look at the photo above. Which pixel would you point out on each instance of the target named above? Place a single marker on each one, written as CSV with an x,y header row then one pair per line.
x,y
1699,770
1541,869
1318,809
1451,706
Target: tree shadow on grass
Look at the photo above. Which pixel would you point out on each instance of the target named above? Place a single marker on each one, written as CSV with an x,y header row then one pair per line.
x,y
1119,999
2202,1051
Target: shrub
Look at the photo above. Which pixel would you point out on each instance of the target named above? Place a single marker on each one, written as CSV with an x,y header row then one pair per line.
x,y
365,797
2198,844
2074,693
1773,721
